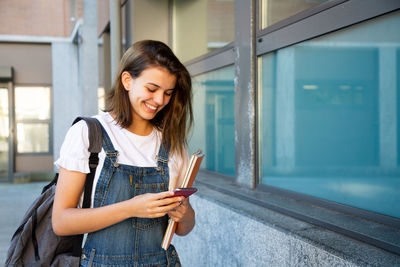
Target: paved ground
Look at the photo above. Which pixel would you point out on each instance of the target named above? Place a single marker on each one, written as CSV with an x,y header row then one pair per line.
x,y
14,201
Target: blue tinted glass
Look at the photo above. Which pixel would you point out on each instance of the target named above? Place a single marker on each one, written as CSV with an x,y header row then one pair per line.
x,y
214,121
329,116
398,106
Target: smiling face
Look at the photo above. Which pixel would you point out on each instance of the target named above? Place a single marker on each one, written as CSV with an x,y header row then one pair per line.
x,y
149,93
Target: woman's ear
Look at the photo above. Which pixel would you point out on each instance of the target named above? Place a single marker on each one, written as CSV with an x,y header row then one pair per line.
x,y
126,80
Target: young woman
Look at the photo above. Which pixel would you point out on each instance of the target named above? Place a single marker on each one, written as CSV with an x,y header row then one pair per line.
x,y
148,114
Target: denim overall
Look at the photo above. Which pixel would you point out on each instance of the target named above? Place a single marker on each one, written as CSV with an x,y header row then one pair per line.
x,y
135,241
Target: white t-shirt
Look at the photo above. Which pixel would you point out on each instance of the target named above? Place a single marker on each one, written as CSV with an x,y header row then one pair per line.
x,y
133,150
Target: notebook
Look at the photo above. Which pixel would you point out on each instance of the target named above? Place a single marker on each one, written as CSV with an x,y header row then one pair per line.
x,y
190,175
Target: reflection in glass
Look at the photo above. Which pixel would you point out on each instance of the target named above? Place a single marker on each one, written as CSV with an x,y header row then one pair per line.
x,y
214,122
273,11
32,137
329,116
200,26
3,131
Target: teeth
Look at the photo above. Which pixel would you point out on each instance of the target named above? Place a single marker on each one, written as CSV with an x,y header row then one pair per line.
x,y
150,107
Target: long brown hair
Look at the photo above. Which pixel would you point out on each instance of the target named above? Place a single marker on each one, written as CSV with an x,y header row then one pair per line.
x,y
176,118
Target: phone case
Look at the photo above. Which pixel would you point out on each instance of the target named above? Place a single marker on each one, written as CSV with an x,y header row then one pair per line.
x,y
186,192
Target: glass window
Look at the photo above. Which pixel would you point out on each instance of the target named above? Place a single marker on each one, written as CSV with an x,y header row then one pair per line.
x,y
214,121
398,106
327,116
32,103
32,112
200,26
273,11
33,137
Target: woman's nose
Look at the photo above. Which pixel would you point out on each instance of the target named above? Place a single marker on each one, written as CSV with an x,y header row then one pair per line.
x,y
159,98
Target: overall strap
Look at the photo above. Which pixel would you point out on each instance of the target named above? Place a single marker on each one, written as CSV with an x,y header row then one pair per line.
x,y
95,134
162,157
109,149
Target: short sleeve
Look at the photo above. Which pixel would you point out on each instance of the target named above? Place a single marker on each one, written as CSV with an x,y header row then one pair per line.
x,y
74,154
177,167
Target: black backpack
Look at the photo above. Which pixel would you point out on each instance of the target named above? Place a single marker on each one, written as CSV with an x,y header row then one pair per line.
x,y
34,243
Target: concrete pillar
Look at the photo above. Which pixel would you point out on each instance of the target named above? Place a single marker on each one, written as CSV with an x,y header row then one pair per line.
x,y
388,107
245,92
115,36
88,59
75,76
66,93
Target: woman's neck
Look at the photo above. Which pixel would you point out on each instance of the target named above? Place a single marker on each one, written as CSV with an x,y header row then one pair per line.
x,y
140,129
139,126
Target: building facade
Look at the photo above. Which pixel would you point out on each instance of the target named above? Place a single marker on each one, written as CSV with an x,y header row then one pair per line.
x,y
41,86
296,108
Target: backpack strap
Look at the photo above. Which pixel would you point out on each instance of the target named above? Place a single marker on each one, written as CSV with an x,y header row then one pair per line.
x,y
95,134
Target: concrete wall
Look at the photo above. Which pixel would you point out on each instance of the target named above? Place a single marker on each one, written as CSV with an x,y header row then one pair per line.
x,y
189,39
103,15
32,163
150,20
31,62
226,235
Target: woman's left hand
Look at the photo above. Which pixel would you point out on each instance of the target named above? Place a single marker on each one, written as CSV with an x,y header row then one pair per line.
x,y
183,213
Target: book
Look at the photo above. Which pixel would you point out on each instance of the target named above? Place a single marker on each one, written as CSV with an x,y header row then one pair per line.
x,y
190,176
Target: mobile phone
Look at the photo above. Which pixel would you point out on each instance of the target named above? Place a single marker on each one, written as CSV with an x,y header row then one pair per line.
x,y
186,192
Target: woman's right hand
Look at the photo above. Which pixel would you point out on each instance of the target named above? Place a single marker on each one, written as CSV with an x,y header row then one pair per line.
x,y
154,205
67,219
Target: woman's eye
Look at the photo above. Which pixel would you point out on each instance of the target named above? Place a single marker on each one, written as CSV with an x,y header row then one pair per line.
x,y
168,93
150,90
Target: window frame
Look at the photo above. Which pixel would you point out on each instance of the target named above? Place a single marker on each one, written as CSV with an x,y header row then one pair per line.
x,y
293,19
329,16
214,60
